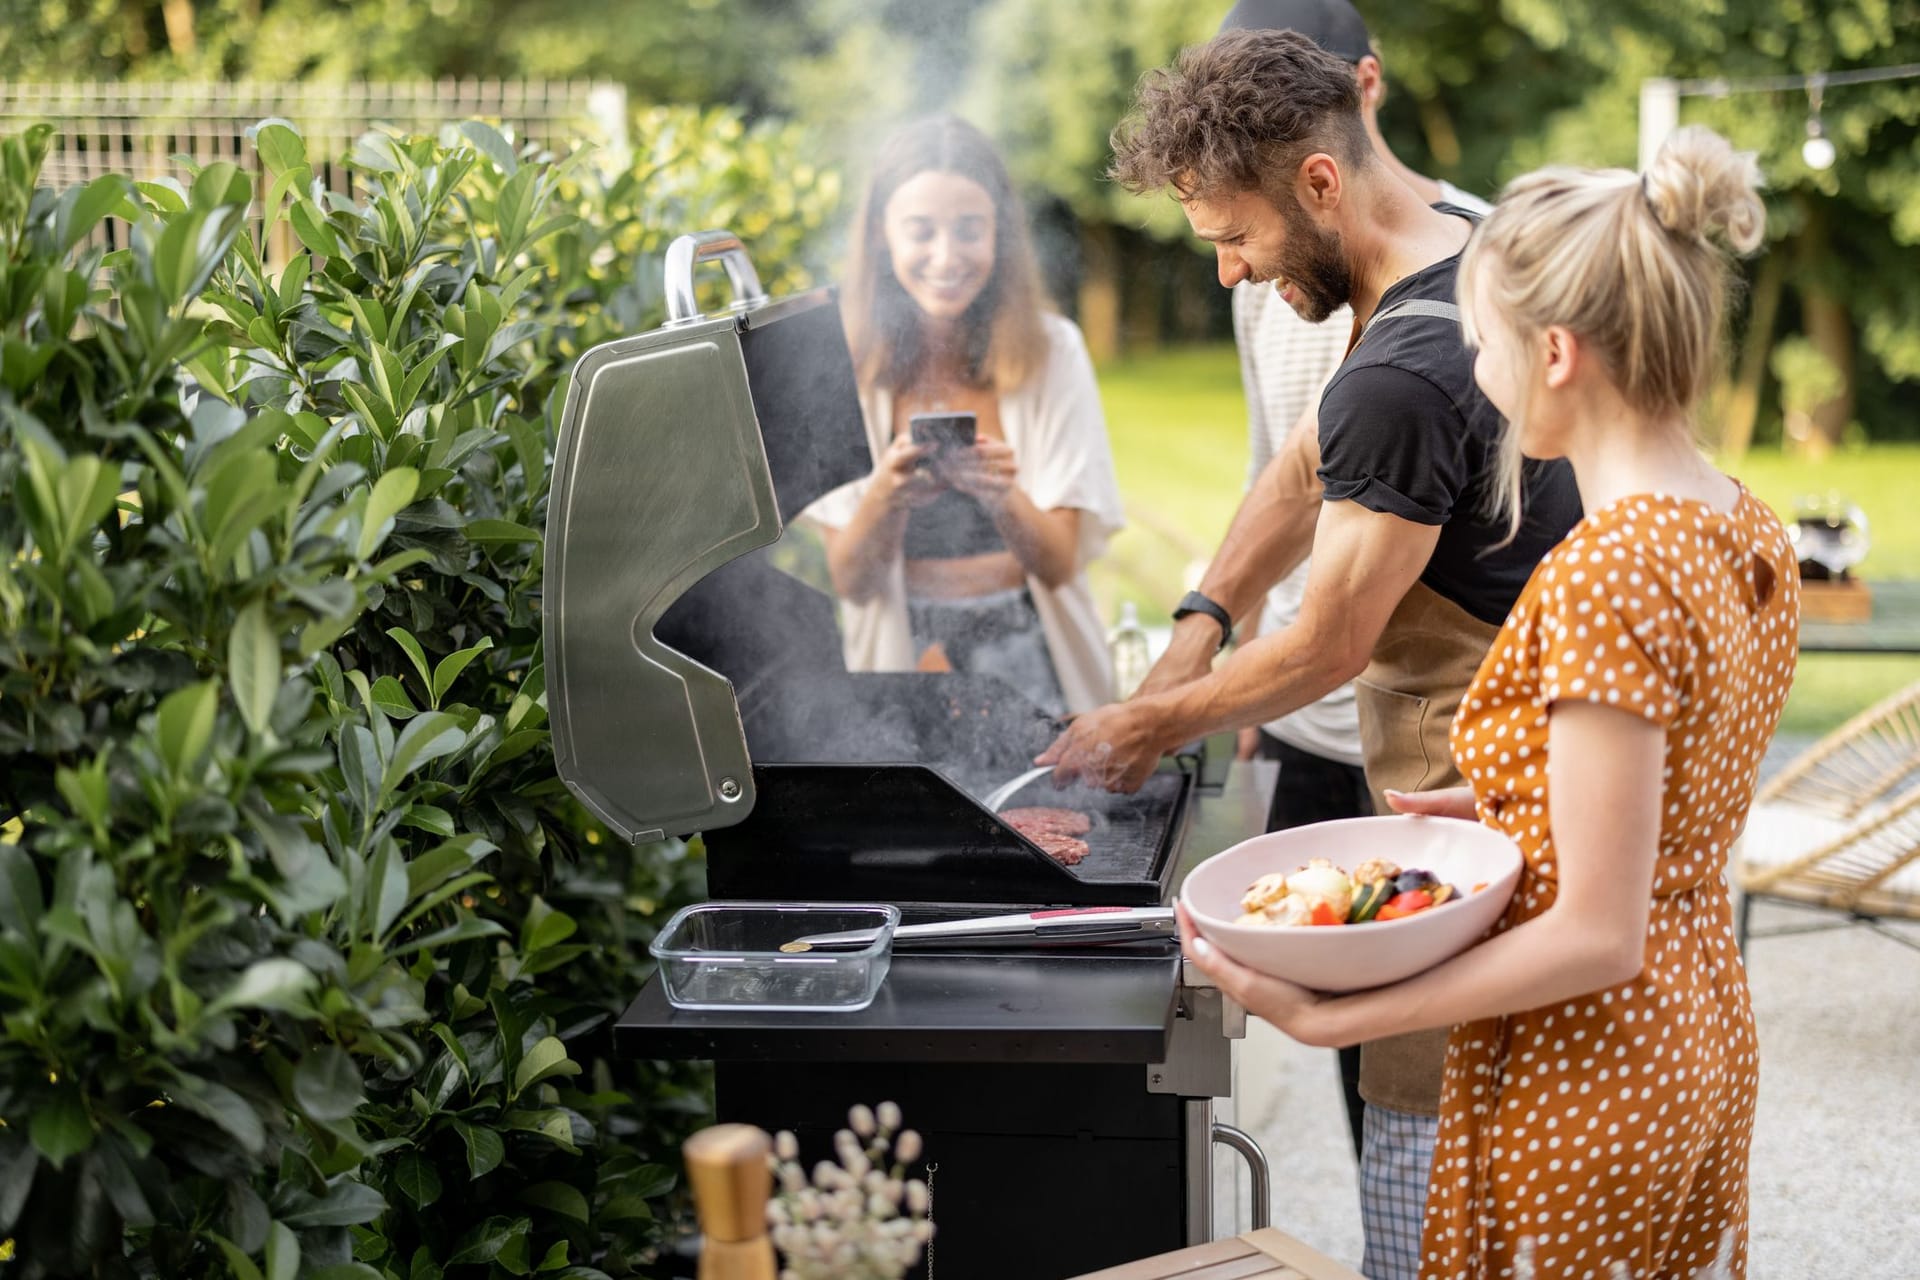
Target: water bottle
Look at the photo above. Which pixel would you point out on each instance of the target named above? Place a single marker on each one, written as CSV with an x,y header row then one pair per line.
x,y
1127,642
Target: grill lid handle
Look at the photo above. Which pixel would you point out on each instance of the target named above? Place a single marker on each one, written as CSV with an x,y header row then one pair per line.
x,y
687,252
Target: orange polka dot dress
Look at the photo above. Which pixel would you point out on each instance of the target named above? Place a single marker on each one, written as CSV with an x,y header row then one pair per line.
x,y
1614,1129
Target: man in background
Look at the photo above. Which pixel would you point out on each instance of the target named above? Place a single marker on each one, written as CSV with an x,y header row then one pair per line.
x,y
1284,363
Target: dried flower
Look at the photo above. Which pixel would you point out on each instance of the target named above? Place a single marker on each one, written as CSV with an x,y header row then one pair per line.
x,y
907,1149
855,1219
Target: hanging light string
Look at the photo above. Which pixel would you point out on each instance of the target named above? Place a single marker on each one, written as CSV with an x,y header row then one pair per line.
x,y
1720,87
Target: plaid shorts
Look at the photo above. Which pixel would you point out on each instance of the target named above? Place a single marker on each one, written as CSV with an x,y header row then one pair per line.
x,y
1396,1156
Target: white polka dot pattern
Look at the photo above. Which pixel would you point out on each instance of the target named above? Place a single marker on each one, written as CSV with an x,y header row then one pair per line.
x,y
1613,1131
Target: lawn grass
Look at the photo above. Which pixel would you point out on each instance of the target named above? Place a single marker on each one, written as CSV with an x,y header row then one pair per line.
x,y
1178,425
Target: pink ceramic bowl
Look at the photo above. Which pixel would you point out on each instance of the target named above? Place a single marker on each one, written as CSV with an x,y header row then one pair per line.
x,y
1354,957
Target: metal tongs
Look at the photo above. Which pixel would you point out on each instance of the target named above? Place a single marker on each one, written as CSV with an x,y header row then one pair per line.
x,y
1005,792
1066,927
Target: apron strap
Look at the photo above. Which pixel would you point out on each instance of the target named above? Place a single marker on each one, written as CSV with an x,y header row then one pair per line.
x,y
1415,307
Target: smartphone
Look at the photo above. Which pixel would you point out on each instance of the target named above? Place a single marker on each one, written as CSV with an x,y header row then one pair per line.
x,y
943,430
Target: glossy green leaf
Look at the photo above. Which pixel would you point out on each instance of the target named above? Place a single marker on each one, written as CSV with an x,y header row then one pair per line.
x,y
346,1204
270,984
280,145
59,1127
185,724
557,1197
453,664
405,639
311,226
427,737
283,1253
500,531
546,1059
327,1083
253,666
390,495
237,1260
416,1178
485,1148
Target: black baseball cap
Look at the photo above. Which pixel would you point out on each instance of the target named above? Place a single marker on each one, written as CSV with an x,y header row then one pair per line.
x,y
1334,25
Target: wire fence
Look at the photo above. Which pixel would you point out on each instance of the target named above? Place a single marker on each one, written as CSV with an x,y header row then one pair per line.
x,y
152,130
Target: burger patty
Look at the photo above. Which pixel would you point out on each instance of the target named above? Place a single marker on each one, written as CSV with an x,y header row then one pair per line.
x,y
1056,831
1066,822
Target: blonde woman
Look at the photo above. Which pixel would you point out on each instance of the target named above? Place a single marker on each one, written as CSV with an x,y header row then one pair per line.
x,y
968,557
1598,1102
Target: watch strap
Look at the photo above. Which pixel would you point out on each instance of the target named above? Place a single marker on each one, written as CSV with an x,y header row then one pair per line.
x,y
1195,602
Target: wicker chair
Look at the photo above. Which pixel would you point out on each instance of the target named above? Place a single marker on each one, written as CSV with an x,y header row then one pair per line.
x,y
1839,828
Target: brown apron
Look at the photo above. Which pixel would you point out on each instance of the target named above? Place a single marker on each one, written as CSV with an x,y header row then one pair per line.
x,y
1422,665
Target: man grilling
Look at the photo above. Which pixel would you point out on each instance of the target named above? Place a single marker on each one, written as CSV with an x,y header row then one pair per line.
x,y
1259,135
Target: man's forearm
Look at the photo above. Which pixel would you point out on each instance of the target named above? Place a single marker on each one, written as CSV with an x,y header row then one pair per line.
x,y
1271,677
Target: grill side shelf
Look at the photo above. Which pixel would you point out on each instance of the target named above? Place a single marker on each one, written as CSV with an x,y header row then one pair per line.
x,y
1055,1007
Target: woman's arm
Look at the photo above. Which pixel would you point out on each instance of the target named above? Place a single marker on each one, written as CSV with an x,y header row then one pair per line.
x,y
1604,775
860,555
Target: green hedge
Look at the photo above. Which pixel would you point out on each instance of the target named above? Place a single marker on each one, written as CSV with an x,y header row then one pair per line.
x,y
306,955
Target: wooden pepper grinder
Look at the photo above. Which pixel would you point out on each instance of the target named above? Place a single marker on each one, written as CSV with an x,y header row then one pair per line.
x,y
731,1180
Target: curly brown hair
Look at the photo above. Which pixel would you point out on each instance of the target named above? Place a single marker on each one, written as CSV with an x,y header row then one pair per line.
x,y
1239,113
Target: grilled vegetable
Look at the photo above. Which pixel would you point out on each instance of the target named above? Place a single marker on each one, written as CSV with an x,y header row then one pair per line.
x,y
1401,905
1321,881
1408,881
1325,914
1445,893
1368,899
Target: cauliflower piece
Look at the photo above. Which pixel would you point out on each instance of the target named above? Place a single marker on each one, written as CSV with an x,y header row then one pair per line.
x,y
1376,869
1321,881
1264,892
1289,911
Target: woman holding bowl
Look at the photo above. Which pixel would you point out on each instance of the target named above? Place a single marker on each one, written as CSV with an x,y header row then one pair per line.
x,y
968,556
1598,1101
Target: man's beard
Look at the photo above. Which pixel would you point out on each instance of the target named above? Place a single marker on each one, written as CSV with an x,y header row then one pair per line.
x,y
1315,264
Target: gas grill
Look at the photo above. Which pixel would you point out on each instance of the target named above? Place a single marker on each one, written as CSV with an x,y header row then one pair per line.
x,y
1066,1097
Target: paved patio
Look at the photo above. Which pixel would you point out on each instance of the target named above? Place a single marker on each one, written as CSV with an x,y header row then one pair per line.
x,y
1836,1159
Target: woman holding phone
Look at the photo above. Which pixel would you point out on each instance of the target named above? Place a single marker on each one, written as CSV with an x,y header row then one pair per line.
x,y
993,484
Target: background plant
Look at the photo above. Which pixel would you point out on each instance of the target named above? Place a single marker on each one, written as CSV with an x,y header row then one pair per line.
x,y
306,956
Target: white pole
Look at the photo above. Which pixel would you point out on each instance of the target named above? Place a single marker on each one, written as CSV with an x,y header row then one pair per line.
x,y
1659,116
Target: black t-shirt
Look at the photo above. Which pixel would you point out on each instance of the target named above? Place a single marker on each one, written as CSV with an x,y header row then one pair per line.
x,y
1405,431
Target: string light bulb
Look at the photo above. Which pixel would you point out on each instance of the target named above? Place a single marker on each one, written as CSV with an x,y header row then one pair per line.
x,y
1818,149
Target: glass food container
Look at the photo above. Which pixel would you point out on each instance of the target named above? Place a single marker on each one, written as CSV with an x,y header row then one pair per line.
x,y
726,955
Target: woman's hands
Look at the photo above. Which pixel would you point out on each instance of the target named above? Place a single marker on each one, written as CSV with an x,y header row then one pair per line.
x,y
985,473
1288,1006
1454,802
906,476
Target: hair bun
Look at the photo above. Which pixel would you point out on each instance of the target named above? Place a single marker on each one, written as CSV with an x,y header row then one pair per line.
x,y
1700,186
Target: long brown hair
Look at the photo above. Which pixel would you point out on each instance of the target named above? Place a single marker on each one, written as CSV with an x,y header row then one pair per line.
x,y
1005,341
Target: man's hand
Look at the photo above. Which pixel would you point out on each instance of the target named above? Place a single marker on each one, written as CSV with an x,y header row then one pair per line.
x,y
1115,748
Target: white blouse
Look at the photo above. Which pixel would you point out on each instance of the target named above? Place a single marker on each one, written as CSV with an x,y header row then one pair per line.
x,y
1058,434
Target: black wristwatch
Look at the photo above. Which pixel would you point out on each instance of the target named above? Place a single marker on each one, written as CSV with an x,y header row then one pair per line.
x,y
1194,602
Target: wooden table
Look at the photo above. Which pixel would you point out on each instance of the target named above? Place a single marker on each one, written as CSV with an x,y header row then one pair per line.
x,y
1258,1255
1894,626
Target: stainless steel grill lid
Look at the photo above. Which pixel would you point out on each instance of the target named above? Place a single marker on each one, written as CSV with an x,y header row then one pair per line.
x,y
679,450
